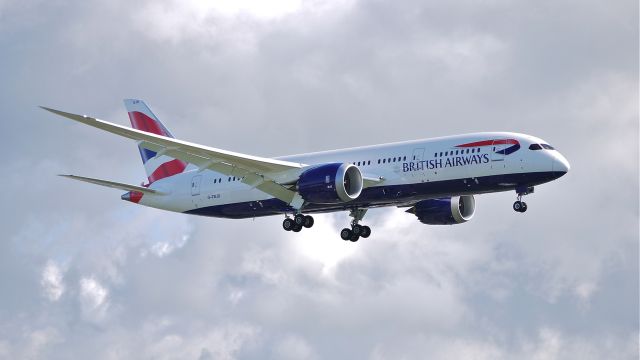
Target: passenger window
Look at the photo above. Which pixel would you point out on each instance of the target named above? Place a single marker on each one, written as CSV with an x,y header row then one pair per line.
x,y
548,147
441,154
378,161
384,161
467,151
535,147
369,162
389,160
404,159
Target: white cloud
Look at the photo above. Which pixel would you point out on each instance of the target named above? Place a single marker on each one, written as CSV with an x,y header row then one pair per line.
x,y
93,299
240,24
162,249
222,343
52,281
38,341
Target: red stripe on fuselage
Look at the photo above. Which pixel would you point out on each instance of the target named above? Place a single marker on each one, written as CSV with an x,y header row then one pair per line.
x,y
167,169
142,122
489,143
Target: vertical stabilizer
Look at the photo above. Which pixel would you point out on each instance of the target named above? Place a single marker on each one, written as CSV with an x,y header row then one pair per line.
x,y
142,118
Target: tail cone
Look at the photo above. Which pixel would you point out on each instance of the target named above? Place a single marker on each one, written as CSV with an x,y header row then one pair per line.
x,y
133,196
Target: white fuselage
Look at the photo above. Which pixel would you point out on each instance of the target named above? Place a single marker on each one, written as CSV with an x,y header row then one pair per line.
x,y
407,171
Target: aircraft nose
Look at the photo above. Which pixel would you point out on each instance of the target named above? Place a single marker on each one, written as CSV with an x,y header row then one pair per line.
x,y
560,164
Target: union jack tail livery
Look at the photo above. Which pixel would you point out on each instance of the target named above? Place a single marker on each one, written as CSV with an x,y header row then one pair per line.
x,y
156,165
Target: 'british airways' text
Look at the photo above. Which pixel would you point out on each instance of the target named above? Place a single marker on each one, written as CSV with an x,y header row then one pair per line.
x,y
445,163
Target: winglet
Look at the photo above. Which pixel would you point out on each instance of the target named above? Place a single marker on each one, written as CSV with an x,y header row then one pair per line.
x,y
65,114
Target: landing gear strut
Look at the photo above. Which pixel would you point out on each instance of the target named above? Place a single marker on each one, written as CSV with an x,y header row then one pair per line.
x,y
521,206
298,222
357,231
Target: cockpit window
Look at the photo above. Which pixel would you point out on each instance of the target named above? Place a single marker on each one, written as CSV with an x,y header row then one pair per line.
x,y
535,147
548,147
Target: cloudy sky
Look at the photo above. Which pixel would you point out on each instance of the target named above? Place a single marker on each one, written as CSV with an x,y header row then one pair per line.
x,y
86,275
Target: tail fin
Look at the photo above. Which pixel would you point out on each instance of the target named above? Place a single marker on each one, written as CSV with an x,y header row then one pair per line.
x,y
142,118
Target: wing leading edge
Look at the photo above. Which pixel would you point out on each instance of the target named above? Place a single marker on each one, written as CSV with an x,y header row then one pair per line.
x,y
264,174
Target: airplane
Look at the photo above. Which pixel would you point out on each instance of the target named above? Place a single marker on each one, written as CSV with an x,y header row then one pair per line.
x,y
435,179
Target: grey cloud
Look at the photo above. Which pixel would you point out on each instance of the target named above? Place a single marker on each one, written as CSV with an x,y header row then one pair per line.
x,y
560,282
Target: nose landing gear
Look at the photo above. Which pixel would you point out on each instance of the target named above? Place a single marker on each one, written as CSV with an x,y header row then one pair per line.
x,y
521,206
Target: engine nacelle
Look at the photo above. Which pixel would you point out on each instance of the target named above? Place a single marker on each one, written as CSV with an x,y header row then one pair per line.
x,y
446,211
330,183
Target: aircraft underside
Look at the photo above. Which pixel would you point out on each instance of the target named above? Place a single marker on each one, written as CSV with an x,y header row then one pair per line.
x,y
379,196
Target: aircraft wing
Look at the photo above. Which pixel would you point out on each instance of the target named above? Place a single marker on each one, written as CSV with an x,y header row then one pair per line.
x,y
113,184
371,180
264,174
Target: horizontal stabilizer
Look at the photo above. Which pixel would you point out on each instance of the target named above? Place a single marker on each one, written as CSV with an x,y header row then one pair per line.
x,y
113,184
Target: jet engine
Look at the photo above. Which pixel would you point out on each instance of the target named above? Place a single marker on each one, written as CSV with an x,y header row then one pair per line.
x,y
330,183
445,211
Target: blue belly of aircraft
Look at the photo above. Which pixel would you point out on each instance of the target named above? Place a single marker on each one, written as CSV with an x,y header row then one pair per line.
x,y
384,195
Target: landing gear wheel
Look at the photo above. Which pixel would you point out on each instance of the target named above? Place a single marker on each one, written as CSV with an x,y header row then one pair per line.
x,y
356,229
299,219
524,207
288,224
517,206
354,238
308,221
346,234
366,231
296,228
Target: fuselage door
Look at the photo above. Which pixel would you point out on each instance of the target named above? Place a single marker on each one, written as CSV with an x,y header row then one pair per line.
x,y
497,152
417,167
195,185
418,154
497,159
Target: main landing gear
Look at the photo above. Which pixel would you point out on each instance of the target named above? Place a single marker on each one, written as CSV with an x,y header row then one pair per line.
x,y
297,223
357,231
521,206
